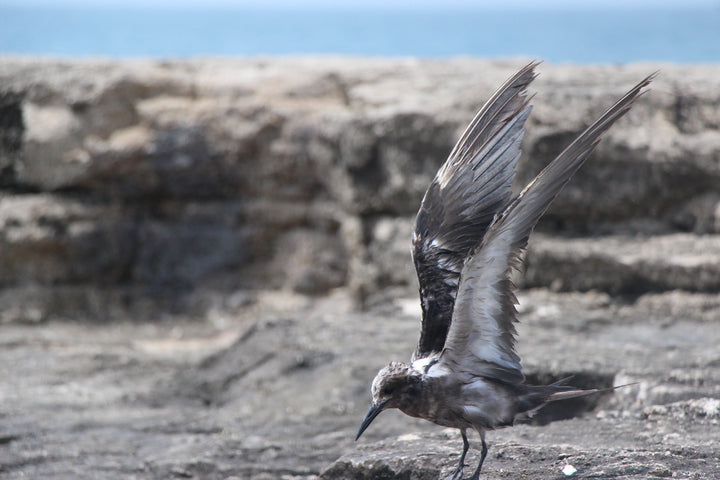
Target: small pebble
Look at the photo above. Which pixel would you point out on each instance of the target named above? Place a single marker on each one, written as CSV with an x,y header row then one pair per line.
x,y
569,470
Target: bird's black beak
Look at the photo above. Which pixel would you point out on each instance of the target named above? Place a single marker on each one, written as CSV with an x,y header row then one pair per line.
x,y
371,414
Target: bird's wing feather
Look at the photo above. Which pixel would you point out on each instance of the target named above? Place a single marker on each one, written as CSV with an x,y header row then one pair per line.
x,y
481,339
460,203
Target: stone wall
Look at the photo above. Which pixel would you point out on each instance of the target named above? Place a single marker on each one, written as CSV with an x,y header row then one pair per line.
x,y
128,186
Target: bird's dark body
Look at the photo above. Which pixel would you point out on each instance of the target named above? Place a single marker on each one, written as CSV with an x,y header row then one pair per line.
x,y
484,402
456,414
469,234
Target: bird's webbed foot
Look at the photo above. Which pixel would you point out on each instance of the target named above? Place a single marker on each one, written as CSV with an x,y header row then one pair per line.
x,y
456,474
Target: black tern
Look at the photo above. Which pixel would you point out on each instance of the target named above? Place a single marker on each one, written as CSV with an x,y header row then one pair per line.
x,y
469,235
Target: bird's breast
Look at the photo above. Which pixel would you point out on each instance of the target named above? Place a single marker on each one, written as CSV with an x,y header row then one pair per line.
x,y
439,402
479,404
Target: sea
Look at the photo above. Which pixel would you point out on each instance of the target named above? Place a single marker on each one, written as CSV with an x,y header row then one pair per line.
x,y
592,35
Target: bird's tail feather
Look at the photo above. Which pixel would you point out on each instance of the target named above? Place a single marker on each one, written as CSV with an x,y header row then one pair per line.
x,y
533,397
562,381
576,393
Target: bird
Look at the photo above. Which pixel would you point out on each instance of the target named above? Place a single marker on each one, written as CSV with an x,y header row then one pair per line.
x,y
469,235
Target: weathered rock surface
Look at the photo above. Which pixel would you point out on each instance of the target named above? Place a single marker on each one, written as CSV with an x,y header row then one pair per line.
x,y
276,389
625,264
165,177
247,205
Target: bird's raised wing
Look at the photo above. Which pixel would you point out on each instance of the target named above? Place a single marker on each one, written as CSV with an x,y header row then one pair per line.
x,y
481,340
469,189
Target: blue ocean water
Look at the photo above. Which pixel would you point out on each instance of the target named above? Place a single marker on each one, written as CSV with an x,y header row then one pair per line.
x,y
580,36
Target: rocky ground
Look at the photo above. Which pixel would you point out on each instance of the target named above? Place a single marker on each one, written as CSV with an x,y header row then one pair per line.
x,y
203,264
277,390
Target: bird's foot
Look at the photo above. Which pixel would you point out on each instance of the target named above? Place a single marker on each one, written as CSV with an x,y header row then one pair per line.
x,y
456,474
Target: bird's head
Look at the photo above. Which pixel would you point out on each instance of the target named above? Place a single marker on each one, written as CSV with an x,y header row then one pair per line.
x,y
394,386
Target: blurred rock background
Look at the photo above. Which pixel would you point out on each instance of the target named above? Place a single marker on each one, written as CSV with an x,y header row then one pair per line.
x,y
204,262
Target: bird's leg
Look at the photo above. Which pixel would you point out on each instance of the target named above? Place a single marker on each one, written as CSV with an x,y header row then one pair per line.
x,y
457,474
483,454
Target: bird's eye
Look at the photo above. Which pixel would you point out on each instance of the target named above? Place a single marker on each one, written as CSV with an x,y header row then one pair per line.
x,y
388,390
